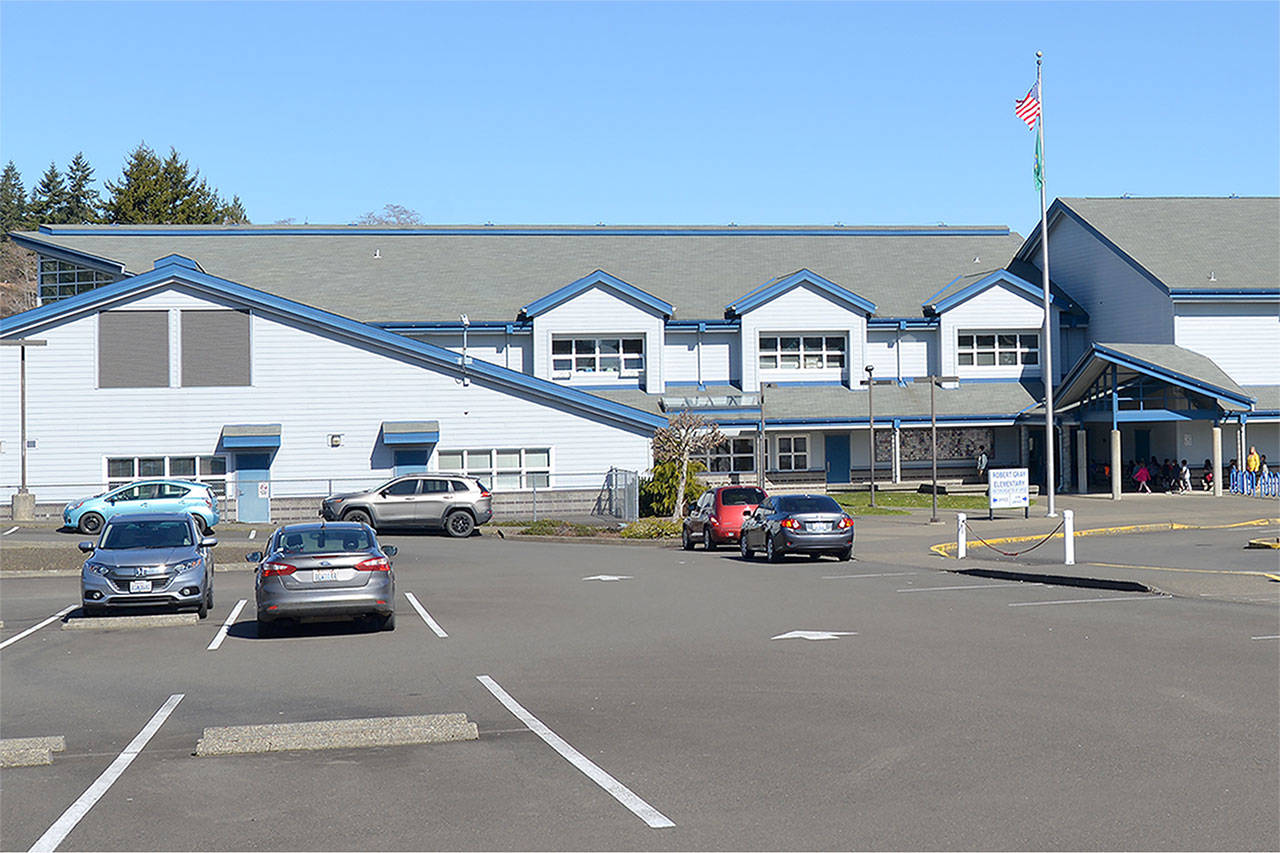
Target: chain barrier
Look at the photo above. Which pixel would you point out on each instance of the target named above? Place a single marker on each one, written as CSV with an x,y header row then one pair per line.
x,y
1017,553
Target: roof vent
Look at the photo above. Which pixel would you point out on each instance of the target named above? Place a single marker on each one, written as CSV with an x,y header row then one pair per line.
x,y
377,253
599,224
1212,277
977,259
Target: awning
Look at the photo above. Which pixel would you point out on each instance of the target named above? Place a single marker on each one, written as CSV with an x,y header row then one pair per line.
x,y
250,435
410,432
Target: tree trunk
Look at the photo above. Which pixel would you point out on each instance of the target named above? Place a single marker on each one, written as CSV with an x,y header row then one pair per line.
x,y
678,510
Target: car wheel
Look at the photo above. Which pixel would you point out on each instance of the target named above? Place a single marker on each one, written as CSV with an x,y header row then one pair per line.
x,y
90,611
208,598
846,553
707,542
771,553
813,556
745,549
90,523
686,541
358,516
387,622
202,610
202,526
460,524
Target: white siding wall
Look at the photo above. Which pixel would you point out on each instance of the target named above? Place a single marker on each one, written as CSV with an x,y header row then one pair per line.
x,y
914,351
1123,305
78,425
1242,339
514,351
680,357
597,312
801,309
997,308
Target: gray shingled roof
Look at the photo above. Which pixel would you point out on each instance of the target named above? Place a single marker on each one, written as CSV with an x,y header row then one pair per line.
x,y
1181,241
1171,358
490,276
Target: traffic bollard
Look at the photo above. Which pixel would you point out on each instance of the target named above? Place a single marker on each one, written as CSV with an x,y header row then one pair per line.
x,y
962,535
1069,536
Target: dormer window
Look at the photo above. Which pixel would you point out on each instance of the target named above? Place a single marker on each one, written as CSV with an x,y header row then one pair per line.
x,y
603,358
997,349
802,352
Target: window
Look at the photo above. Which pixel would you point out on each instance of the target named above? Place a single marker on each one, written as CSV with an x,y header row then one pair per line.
x,y
215,348
61,279
211,470
611,358
133,349
793,453
801,352
404,488
997,349
736,455
502,468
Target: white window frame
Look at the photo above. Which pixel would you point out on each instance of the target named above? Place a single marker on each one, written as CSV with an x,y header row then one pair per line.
x,y
730,457
215,479
1023,351
586,356
494,466
814,352
795,456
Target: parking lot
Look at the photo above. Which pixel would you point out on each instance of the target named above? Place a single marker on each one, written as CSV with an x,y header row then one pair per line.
x,y
651,698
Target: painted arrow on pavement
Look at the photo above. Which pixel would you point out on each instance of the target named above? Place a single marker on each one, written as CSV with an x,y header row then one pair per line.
x,y
608,578
814,635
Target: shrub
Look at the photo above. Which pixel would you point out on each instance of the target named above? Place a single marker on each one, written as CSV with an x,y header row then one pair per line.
x,y
658,492
652,528
552,527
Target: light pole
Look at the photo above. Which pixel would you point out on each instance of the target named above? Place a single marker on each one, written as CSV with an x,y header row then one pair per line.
x,y
871,423
934,381
23,504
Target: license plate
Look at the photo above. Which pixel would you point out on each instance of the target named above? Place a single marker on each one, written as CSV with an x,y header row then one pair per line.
x,y
139,586
821,526
319,575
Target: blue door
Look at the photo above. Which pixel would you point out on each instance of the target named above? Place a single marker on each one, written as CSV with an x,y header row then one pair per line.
x,y
253,487
837,451
411,461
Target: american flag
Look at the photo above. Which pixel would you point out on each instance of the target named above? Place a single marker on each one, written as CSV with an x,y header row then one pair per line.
x,y
1028,108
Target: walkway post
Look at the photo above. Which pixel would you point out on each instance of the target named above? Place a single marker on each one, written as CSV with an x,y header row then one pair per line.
x,y
24,504
962,536
1217,461
1082,460
1116,473
1069,536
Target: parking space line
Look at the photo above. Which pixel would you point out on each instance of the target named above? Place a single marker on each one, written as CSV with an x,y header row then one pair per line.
x,y
962,586
426,617
54,618
10,530
54,835
1091,600
617,790
880,575
1267,637
226,626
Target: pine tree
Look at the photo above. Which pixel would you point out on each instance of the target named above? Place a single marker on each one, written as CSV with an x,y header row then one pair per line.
x,y
166,192
49,199
233,213
83,201
13,201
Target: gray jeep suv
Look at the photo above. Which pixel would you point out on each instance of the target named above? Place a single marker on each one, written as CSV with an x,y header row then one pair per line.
x,y
449,501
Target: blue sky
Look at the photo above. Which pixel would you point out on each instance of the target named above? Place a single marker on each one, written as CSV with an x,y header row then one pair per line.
x,y
638,113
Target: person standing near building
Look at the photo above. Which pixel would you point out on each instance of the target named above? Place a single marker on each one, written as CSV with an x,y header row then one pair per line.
x,y
1184,479
982,462
1141,476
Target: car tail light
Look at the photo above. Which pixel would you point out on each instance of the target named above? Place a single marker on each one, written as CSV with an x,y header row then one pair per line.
x,y
377,564
484,493
845,522
715,521
272,569
790,524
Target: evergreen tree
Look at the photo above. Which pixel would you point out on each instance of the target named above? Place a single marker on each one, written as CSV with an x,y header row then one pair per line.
x,y
83,202
49,199
233,212
166,192
13,201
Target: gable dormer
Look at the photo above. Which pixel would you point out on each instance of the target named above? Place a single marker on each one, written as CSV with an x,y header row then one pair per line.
x,y
599,331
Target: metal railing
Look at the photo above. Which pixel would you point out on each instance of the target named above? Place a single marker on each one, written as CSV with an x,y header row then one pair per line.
x,y
1255,485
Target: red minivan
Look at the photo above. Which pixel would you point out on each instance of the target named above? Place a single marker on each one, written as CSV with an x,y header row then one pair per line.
x,y
717,517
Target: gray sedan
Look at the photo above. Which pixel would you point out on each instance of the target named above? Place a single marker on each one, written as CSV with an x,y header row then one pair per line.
x,y
320,570
147,560
804,524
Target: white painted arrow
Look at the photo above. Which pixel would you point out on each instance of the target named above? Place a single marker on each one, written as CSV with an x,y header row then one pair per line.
x,y
608,578
813,635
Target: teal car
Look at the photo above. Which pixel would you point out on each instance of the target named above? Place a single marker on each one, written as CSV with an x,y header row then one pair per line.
x,y
88,515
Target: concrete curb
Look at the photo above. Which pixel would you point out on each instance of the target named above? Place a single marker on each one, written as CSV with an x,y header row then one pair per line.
x,y
129,623
1058,580
948,549
30,751
336,734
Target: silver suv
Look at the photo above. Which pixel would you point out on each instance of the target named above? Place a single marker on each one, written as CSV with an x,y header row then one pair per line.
x,y
449,501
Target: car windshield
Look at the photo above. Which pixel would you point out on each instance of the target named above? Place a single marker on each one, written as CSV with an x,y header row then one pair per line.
x,y
741,497
808,503
124,535
324,540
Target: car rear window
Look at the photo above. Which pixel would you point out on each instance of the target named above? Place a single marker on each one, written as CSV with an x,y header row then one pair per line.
x,y
123,535
321,540
808,503
741,497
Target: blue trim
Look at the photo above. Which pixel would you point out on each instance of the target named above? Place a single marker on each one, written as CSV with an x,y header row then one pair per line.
x,y
1056,296
410,437
600,279
772,289
233,442
1207,294
175,260
1031,246
1007,420
901,324
516,328
689,326
439,358
530,231
950,284
1104,353
1132,416
72,256
800,384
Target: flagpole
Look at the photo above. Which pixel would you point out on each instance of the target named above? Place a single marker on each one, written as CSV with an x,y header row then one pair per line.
x,y
1047,349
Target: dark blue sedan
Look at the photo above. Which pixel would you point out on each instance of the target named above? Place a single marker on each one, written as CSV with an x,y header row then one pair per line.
x,y
802,524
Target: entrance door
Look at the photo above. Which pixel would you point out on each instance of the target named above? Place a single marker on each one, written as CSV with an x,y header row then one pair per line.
x,y
836,445
411,461
253,487
1142,444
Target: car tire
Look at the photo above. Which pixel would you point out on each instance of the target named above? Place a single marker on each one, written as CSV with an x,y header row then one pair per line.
x,y
90,524
208,598
459,524
772,554
747,553
708,543
90,611
686,541
813,556
358,516
846,554
202,526
387,621
202,609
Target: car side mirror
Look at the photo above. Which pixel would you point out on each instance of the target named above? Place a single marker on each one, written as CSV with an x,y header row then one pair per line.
x,y
390,550
208,541
253,557
86,546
